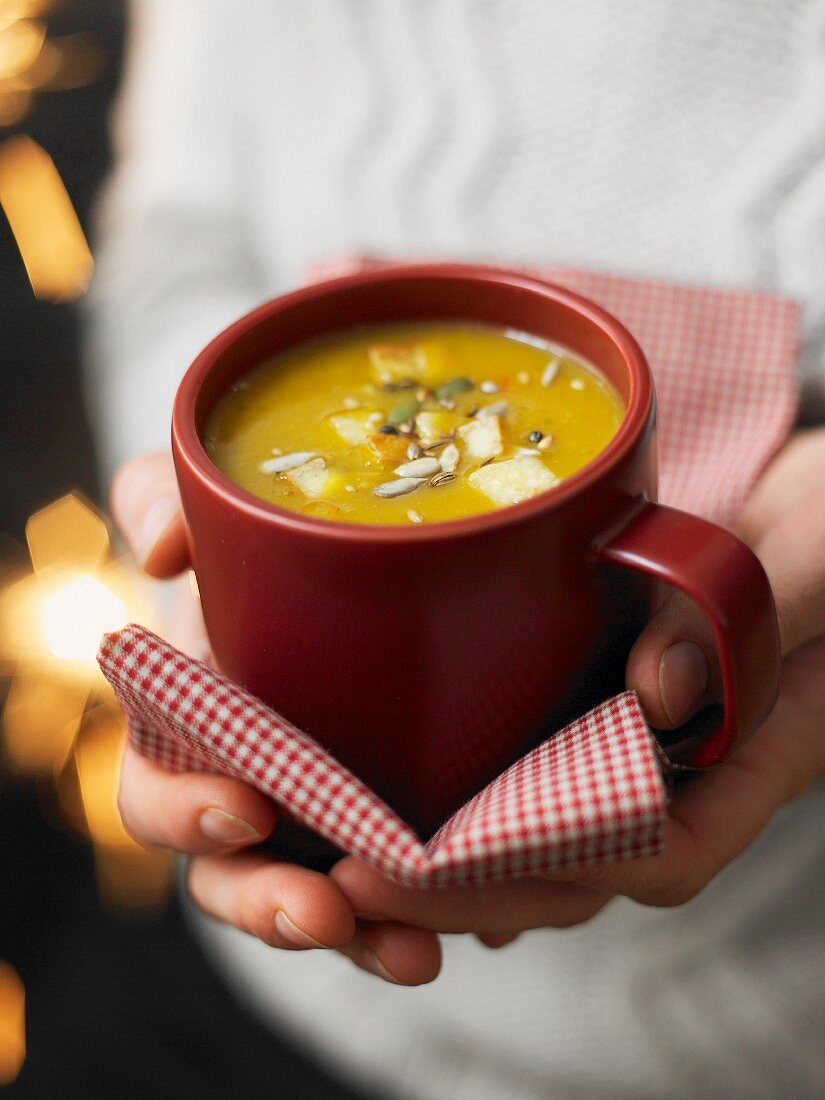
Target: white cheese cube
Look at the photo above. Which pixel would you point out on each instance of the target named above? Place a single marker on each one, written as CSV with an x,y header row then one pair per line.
x,y
433,425
399,362
315,480
482,438
513,480
354,427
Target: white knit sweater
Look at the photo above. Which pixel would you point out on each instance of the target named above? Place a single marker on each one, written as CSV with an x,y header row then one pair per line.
x,y
647,137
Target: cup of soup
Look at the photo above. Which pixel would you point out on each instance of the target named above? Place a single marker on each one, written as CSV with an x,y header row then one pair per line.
x,y
421,509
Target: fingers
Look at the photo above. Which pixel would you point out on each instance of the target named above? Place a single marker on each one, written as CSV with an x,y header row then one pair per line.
x,y
673,665
215,818
711,821
146,506
494,910
792,552
784,522
190,812
293,908
395,952
284,905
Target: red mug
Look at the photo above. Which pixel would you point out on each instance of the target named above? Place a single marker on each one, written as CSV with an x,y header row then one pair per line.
x,y
429,658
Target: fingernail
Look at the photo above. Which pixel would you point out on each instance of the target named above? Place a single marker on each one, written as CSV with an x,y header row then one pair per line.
x,y
290,931
370,961
226,828
683,680
159,516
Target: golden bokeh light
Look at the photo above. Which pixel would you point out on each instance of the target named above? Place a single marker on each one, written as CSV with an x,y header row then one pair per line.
x,y
69,533
77,614
61,720
128,875
12,10
12,1024
14,104
44,223
31,62
41,719
42,71
20,44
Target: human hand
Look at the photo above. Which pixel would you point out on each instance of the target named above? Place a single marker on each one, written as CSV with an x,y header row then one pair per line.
x,y
673,668
216,819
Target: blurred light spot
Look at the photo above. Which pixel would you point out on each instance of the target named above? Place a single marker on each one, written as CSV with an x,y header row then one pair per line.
x,y
12,10
128,875
41,719
77,614
13,105
41,71
43,221
68,533
12,1024
20,43
71,61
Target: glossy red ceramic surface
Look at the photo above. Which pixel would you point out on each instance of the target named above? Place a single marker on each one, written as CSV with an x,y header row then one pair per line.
x,y
428,658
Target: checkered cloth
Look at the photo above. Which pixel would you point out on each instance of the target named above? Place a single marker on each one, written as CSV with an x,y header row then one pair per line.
x,y
724,369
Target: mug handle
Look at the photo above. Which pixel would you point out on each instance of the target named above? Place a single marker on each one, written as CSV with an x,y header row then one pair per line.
x,y
726,579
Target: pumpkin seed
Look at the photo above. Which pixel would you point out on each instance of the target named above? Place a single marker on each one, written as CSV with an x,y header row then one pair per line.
x,y
282,463
498,408
419,467
449,459
451,388
405,411
398,488
550,371
413,451
443,478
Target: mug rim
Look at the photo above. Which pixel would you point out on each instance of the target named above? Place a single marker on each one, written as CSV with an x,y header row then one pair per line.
x,y
187,444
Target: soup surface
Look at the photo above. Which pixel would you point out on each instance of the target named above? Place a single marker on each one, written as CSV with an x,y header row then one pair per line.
x,y
410,424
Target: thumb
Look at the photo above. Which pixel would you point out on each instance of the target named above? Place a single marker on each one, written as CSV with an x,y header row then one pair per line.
x,y
673,666
146,505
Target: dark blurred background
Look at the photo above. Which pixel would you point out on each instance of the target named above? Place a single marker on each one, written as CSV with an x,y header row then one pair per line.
x,y
118,999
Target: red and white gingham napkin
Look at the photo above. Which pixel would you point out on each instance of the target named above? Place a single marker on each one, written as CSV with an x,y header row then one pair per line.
x,y
724,365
